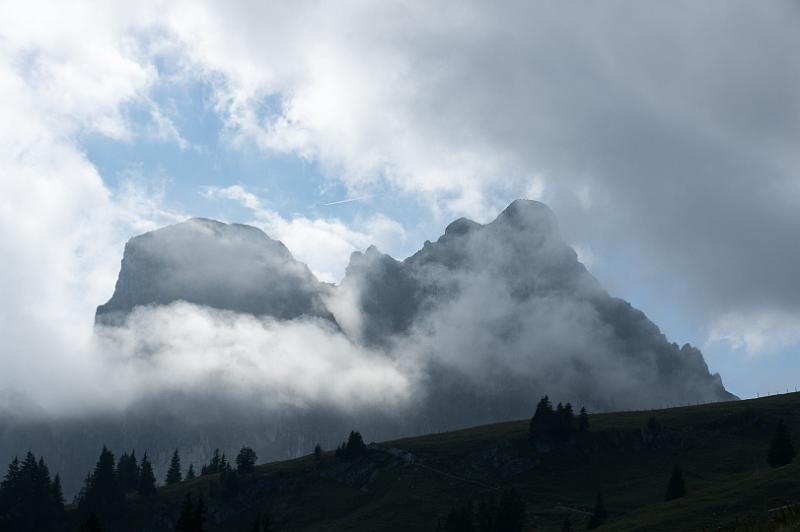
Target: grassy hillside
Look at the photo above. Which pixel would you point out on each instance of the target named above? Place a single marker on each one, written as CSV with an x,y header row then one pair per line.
x,y
408,484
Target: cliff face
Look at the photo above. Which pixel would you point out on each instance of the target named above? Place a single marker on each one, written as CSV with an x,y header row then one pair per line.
x,y
223,266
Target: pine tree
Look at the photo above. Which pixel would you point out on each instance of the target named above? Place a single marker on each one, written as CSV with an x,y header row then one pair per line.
x,y
147,480
355,446
583,420
246,460
541,425
676,487
190,473
57,496
213,466
103,495
128,471
185,519
781,450
317,452
599,515
199,518
174,472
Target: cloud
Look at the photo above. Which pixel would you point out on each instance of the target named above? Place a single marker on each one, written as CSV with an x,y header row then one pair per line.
x,y
297,364
323,244
757,333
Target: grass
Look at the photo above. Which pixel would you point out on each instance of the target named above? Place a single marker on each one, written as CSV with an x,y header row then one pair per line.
x,y
720,447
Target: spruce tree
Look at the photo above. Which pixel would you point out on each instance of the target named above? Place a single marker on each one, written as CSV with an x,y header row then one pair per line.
x,y
174,472
583,420
103,494
199,518
246,460
185,518
541,425
128,471
317,452
57,495
147,480
355,446
676,487
190,473
781,450
599,515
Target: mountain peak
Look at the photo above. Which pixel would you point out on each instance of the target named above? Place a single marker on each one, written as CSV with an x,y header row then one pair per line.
x,y
206,262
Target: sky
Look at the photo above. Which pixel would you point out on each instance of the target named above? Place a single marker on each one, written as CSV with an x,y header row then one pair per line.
x,y
663,136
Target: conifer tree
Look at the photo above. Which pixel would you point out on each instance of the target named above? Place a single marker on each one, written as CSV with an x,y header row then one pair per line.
x,y
128,471
317,452
174,472
29,500
583,420
599,515
103,495
190,475
781,450
246,460
676,487
199,518
542,421
186,517
147,480
57,495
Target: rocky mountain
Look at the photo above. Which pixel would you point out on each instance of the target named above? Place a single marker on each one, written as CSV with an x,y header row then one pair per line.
x,y
225,266
510,303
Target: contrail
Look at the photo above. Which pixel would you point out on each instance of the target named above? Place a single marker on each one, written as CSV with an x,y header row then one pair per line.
x,y
349,200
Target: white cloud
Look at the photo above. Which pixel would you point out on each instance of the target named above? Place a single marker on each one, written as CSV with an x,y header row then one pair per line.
x,y
758,333
297,363
323,244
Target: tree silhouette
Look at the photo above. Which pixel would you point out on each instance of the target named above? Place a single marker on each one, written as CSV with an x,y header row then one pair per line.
x,y
781,450
353,447
128,471
186,517
29,500
147,480
174,472
246,460
599,515
583,420
190,475
103,494
676,488
199,518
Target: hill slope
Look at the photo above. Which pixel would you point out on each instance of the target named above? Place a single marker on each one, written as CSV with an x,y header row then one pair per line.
x,y
409,484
